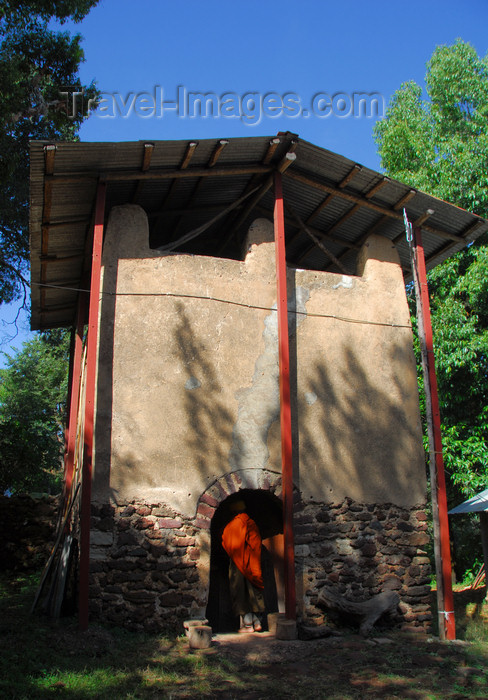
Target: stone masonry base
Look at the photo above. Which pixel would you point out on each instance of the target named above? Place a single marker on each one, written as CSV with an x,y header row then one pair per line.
x,y
148,570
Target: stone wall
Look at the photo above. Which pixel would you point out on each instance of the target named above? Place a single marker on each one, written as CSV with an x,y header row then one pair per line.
x,y
188,403
360,550
27,531
143,566
149,570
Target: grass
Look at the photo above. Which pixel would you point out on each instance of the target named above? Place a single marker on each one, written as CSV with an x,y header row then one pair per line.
x,y
40,659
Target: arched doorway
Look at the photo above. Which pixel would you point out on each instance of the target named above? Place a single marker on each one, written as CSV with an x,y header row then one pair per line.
x,y
267,512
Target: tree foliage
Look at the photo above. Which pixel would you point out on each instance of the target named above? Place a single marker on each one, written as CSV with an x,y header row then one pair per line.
x,y
36,64
33,390
440,145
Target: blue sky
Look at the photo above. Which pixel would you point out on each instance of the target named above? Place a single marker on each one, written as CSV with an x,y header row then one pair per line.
x,y
306,49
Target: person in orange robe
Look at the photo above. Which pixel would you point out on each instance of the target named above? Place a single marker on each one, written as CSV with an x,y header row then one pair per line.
x,y
242,542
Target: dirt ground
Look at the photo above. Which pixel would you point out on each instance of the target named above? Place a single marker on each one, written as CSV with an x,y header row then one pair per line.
x,y
387,664
394,665
41,659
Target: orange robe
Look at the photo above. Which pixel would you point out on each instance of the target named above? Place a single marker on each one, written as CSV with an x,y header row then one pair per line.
x,y
242,542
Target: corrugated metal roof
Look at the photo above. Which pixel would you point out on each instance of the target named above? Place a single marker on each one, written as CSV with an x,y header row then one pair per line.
x,y
183,184
476,504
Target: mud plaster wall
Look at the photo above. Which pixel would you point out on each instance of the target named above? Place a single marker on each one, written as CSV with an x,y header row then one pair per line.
x,y
188,374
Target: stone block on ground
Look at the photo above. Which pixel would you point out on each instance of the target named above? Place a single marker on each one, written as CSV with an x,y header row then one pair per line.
x,y
308,632
200,637
188,624
273,619
286,629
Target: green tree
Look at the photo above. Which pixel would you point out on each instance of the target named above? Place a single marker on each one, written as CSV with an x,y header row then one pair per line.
x,y
33,390
36,64
440,145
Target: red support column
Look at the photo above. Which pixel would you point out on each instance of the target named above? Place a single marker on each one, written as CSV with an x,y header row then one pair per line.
x,y
91,374
446,616
285,406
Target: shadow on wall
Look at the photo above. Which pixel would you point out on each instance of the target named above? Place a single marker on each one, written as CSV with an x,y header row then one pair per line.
x,y
353,440
209,421
372,454
350,415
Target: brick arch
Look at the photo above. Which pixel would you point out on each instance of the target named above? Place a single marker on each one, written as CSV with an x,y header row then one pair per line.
x,y
209,501
231,483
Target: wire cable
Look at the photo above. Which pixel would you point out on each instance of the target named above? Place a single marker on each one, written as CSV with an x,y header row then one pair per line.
x,y
182,295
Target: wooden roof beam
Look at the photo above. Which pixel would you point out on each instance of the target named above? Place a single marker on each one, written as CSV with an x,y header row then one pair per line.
x,y
128,175
64,224
469,230
361,199
189,172
418,222
331,196
404,200
146,158
466,238
350,175
423,218
282,166
385,219
61,259
190,150
316,241
291,223
73,284
335,226
216,153
318,210
229,224
273,145
146,164
49,157
376,188
181,211
379,223
56,310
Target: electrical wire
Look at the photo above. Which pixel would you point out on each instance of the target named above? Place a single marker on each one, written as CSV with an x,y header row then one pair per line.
x,y
181,295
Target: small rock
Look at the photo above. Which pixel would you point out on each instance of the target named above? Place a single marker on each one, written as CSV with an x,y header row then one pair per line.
x,y
307,632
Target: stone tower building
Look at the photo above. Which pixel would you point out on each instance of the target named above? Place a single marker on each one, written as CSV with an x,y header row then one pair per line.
x,y
186,370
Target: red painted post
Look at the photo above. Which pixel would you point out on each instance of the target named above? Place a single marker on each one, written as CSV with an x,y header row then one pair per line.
x,y
445,550
285,406
91,374
75,371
